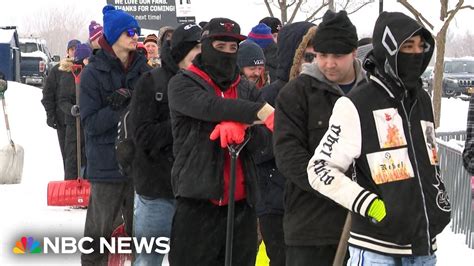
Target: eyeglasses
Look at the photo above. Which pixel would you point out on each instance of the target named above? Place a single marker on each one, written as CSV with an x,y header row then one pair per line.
x,y
131,32
308,57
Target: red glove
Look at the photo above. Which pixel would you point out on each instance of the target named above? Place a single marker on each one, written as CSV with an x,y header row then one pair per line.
x,y
269,121
229,133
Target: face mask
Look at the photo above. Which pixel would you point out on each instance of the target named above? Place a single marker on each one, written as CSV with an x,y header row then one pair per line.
x,y
409,69
220,66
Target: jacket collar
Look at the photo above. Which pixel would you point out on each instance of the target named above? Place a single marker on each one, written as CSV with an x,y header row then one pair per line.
x,y
110,58
312,69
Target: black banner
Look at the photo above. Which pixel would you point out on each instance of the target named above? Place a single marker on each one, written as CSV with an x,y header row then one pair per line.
x,y
154,14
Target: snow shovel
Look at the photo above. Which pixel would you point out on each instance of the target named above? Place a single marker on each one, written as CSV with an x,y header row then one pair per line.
x,y
118,259
234,151
342,246
11,155
76,192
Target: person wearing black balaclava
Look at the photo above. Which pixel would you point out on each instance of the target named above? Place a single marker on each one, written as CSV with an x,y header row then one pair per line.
x,y
384,128
211,107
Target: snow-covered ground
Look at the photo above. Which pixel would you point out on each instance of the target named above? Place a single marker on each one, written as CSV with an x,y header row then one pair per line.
x,y
23,207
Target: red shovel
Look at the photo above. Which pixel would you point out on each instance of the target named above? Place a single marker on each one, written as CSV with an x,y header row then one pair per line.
x,y
71,192
119,259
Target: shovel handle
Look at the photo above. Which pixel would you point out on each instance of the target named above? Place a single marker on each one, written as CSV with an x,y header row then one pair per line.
x,y
7,124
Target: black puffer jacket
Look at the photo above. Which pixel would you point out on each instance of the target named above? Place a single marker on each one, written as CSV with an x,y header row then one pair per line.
x,y
392,141
151,130
195,111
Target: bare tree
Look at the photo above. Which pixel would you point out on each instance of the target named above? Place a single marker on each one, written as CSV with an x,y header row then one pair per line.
x,y
446,16
288,9
459,45
57,26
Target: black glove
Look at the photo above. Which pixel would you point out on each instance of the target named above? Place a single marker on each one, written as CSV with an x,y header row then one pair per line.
x,y
51,121
75,110
119,99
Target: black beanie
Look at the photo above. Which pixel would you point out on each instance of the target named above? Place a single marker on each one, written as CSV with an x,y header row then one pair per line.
x,y
273,23
180,51
184,38
336,34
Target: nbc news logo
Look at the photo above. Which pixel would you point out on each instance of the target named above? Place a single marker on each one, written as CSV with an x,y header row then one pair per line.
x,y
27,245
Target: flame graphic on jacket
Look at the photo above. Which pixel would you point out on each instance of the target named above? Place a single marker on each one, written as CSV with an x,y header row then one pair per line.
x,y
394,139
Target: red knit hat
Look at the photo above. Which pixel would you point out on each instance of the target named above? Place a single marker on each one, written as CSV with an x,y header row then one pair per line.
x,y
95,31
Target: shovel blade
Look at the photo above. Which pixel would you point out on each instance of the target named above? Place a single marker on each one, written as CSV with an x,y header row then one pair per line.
x,y
11,164
73,193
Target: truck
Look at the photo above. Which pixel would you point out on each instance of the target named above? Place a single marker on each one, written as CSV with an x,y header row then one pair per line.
x,y
36,60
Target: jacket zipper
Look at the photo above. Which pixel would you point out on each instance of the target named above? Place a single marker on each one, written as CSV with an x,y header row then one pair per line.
x,y
417,171
221,200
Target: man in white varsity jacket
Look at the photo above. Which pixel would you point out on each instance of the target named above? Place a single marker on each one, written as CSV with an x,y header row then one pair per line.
x,y
386,127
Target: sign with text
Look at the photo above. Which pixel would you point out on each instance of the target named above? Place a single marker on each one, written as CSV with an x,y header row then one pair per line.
x,y
154,14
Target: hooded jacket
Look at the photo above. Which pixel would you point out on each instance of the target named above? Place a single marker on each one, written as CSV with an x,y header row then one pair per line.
x,y
100,78
271,60
290,38
302,113
151,130
389,132
293,39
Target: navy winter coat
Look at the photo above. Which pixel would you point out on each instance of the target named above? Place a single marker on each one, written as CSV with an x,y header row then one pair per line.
x,y
102,76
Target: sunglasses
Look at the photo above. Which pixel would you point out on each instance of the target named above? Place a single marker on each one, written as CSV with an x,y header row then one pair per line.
x,y
308,57
131,32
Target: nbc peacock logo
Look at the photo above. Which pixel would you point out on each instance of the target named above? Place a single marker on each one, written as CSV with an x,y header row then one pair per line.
x,y
27,245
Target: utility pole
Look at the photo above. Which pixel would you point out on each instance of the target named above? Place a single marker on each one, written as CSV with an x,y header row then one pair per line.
x,y
380,6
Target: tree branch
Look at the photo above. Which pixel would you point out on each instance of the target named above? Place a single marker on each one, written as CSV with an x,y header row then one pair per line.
x,y
419,17
310,18
295,11
463,7
443,12
451,15
359,7
292,3
268,8
346,5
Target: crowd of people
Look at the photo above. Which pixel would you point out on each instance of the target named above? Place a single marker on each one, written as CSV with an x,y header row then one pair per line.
x,y
323,134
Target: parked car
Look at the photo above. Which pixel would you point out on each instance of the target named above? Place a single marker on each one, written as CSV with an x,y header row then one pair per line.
x,y
458,77
36,61
425,77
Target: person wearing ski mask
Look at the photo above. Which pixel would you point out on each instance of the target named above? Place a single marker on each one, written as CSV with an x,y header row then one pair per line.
x,y
398,202
212,107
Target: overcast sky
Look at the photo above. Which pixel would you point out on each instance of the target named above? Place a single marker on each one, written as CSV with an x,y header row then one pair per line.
x,y
246,12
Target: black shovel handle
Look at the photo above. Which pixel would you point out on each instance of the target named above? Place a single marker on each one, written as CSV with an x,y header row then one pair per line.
x,y
234,150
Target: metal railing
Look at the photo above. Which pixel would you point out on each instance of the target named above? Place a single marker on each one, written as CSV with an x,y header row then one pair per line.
x,y
458,184
447,136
